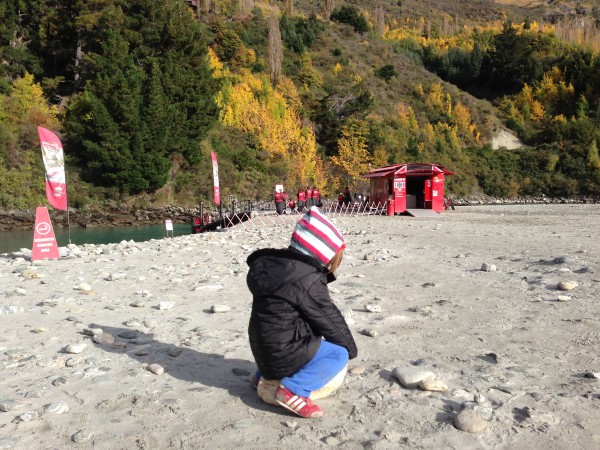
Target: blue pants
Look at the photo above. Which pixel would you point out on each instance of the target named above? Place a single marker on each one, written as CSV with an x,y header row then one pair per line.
x,y
329,360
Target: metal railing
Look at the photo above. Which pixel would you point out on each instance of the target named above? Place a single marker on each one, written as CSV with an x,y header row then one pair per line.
x,y
266,216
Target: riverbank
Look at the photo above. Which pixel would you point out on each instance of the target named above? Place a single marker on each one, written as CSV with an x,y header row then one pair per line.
x,y
125,216
84,218
144,345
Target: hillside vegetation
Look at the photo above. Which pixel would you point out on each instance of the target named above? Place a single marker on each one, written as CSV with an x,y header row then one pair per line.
x,y
296,92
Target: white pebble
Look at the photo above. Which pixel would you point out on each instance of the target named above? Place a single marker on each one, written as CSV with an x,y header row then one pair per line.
x,y
75,348
156,369
373,308
57,407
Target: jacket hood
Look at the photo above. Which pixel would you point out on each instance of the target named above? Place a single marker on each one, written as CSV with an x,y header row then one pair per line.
x,y
271,269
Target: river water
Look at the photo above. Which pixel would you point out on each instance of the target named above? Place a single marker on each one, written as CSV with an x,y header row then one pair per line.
x,y
11,241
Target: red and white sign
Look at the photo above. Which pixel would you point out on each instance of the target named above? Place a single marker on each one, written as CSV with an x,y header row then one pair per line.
x,y
44,241
215,165
169,224
54,163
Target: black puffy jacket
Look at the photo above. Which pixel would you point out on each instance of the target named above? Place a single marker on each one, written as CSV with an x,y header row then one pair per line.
x,y
291,311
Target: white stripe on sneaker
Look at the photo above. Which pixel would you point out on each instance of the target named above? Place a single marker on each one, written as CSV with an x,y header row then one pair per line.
x,y
296,403
292,400
300,406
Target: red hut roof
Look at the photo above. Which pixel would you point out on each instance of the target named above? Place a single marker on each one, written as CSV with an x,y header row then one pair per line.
x,y
408,169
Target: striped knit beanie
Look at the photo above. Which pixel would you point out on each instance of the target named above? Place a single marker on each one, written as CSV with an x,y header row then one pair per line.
x,y
316,236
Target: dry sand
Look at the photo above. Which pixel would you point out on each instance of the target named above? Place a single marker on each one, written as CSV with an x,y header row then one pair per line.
x,y
500,336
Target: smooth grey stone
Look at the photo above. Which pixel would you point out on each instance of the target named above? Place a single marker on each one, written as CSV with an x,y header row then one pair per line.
x,y
536,395
36,393
485,267
469,421
409,376
72,362
72,319
241,424
419,362
81,436
240,372
102,379
59,381
175,351
57,407
563,260
128,335
331,441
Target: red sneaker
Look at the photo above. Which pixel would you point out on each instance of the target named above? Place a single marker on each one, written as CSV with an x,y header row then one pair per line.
x,y
302,406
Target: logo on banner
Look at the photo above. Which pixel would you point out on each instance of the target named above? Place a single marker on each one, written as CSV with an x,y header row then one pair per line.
x,y
44,241
43,228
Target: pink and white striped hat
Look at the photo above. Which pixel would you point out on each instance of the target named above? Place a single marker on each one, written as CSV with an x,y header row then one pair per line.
x,y
316,236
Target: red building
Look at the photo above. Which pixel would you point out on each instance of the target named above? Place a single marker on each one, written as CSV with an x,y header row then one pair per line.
x,y
409,186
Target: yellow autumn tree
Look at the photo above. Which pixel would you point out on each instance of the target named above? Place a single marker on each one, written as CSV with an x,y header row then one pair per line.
x,y
529,106
353,158
21,167
249,103
407,116
461,117
26,106
435,97
553,88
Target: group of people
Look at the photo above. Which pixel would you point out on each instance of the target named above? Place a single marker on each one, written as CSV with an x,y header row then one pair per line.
x,y
306,199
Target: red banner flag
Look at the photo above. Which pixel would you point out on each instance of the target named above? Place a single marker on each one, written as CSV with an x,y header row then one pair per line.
x,y
44,241
54,163
216,192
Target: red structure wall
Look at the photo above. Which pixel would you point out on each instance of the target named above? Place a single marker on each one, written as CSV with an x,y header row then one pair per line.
x,y
410,186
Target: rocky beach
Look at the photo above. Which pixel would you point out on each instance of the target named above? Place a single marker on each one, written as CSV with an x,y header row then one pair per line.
x,y
478,328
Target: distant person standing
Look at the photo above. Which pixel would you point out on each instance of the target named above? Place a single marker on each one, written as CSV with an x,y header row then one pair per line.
x,y
316,195
301,200
341,200
279,203
309,199
347,196
292,205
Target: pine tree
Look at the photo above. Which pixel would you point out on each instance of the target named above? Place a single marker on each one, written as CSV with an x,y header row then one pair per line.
x,y
148,94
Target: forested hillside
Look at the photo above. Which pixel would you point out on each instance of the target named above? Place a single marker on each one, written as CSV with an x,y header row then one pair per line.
x,y
298,92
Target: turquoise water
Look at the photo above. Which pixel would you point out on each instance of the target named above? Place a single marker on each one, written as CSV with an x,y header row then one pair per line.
x,y
11,241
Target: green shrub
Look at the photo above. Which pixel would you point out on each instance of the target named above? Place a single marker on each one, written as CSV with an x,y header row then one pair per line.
x,y
386,72
350,15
